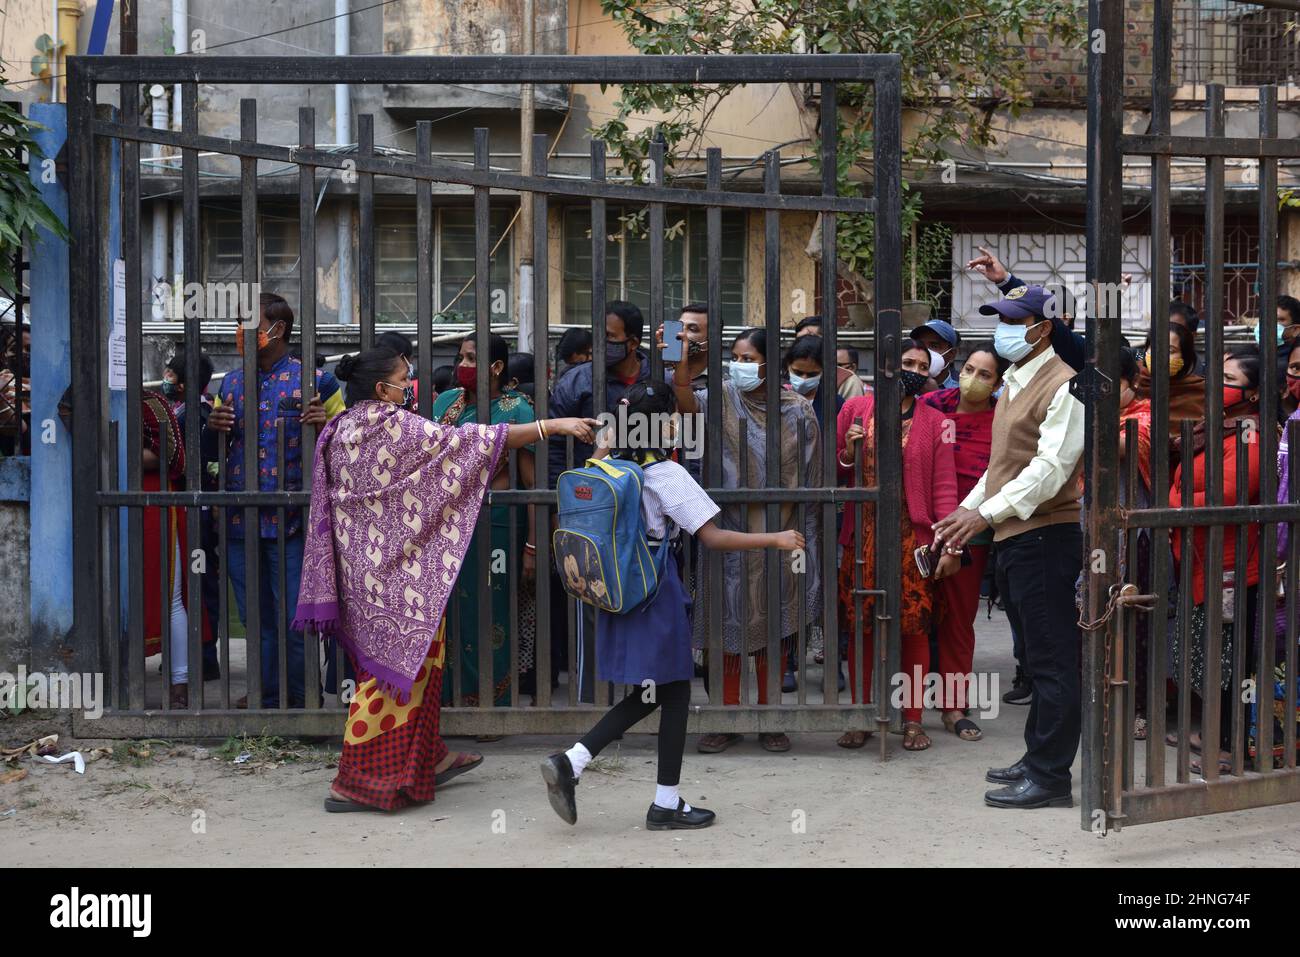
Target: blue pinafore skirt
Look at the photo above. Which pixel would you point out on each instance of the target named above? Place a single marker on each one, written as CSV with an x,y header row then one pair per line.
x,y
653,641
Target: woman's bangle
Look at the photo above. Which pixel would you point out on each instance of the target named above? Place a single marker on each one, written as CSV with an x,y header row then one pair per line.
x,y
540,434
844,464
530,547
541,427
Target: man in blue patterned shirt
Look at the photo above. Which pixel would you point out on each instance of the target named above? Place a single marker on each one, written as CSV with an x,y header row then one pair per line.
x,y
279,405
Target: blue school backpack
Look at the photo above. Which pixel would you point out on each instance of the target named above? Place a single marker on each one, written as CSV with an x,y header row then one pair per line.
x,y
600,546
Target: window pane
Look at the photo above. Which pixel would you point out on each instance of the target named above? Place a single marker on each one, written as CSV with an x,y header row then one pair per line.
x,y
223,252
280,257
395,265
577,262
457,263
733,264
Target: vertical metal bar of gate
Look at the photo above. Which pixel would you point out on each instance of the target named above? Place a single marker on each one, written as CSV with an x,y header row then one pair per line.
x,y
829,131
772,559
250,272
889,304
713,451
541,458
1210,697
191,242
1104,219
366,240
483,350
1157,630
132,639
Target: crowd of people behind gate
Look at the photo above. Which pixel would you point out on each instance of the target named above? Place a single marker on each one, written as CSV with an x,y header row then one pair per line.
x,y
990,489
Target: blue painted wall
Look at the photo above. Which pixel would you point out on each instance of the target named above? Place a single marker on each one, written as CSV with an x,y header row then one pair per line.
x,y
51,462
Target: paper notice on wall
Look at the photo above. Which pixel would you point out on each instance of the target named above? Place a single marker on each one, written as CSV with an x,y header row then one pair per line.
x,y
117,341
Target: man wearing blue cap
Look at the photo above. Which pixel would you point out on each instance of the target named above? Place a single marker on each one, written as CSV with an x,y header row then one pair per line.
x,y
942,339
1029,496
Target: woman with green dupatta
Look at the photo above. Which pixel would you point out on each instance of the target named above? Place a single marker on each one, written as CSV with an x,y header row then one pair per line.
x,y
459,406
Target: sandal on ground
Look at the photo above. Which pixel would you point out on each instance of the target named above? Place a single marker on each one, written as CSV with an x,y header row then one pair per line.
x,y
716,743
1194,745
962,726
465,761
1139,728
1225,766
912,734
338,805
853,739
774,742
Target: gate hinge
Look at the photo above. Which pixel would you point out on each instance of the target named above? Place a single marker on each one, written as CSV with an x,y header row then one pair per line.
x,y
1090,384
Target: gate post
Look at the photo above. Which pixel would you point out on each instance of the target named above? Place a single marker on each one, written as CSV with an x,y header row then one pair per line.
x,y
1101,422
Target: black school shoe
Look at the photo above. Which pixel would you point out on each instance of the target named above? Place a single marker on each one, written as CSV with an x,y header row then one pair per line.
x,y
1006,775
662,819
561,785
1026,794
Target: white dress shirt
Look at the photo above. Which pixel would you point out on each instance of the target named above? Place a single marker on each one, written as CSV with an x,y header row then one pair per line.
x,y
1060,444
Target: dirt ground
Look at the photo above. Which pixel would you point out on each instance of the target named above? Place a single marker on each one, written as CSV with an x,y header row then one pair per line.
x,y
184,803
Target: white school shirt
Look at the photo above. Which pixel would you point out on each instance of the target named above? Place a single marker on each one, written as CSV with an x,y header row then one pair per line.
x,y
1060,444
671,499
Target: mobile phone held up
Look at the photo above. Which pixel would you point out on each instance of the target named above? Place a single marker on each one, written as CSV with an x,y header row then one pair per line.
x,y
672,345
924,560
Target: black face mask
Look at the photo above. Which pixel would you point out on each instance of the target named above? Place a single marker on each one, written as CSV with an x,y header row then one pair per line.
x,y
913,383
616,352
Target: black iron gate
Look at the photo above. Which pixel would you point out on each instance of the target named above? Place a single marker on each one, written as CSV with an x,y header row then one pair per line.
x,y
1127,594
110,501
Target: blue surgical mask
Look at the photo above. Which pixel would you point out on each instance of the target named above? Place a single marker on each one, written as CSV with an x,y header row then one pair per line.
x,y
1279,334
1009,341
805,386
744,375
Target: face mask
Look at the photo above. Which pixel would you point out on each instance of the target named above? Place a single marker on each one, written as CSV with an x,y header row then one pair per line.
x,y
975,389
467,377
1233,395
263,340
744,375
410,370
805,386
616,352
1293,386
913,383
1279,327
168,388
1010,343
408,394
1175,365
938,362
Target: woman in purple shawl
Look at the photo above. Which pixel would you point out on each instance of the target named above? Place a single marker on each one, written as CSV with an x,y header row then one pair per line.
x,y
394,501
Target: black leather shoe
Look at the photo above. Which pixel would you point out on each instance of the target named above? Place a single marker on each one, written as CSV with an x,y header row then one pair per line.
x,y
662,819
1006,775
557,772
1026,794
1022,690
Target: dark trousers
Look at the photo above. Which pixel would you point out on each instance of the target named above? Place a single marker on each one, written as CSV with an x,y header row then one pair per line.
x,y
674,698
1036,577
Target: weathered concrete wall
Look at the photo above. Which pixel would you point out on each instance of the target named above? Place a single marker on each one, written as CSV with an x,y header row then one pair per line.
x,y
15,587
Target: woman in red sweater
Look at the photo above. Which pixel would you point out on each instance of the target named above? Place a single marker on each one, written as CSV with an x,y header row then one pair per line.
x,y
1240,406
969,409
929,493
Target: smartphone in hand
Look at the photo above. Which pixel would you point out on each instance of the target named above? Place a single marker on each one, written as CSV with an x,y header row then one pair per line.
x,y
672,345
923,557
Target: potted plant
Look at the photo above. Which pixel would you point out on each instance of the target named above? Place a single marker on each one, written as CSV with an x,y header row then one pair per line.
x,y
926,250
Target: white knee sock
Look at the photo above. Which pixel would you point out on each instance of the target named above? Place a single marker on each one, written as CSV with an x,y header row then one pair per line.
x,y
579,757
179,626
668,797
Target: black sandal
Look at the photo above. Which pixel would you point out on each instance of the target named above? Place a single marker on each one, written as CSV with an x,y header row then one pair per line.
x,y
960,727
344,805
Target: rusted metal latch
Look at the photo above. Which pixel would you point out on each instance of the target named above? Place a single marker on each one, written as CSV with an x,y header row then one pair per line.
x,y
875,592
1126,595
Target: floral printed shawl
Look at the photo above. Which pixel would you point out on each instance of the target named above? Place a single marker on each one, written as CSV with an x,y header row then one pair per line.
x,y
394,501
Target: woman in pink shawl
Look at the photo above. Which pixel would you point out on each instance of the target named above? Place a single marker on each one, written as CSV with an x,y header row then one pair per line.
x,y
394,503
